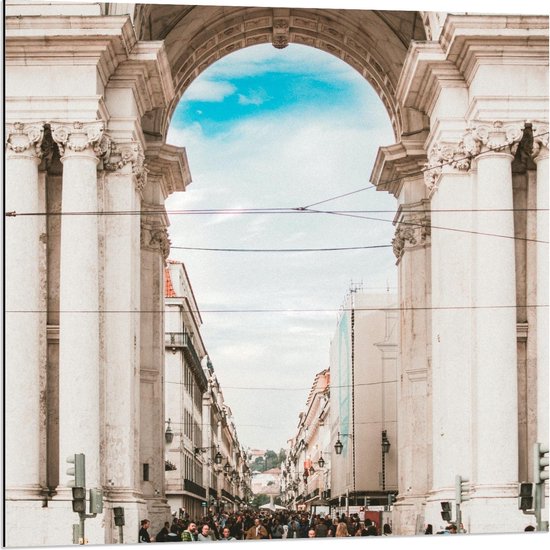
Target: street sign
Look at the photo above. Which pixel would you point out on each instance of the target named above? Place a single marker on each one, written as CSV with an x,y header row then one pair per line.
x,y
204,504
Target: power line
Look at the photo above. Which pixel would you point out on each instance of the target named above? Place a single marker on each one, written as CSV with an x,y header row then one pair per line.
x,y
252,211
334,249
285,310
417,172
430,226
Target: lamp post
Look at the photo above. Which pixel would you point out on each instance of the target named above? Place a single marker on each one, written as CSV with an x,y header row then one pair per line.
x,y
168,434
385,450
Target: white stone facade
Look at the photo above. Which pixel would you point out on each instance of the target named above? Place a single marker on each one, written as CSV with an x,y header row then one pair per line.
x,y
90,89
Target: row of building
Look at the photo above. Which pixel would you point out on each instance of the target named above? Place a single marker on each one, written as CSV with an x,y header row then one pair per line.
x,y
343,456
206,467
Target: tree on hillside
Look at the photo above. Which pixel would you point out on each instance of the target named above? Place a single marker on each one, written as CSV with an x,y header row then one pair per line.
x,y
271,460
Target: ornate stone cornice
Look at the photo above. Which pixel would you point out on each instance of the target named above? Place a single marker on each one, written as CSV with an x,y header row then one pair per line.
x,y
154,237
118,155
413,230
22,137
479,138
77,137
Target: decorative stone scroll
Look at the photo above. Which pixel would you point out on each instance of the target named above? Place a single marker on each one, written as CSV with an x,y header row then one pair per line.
x,y
21,137
413,230
540,139
154,237
118,155
78,137
479,138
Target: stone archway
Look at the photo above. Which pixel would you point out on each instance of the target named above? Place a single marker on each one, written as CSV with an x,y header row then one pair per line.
x,y
374,43
458,90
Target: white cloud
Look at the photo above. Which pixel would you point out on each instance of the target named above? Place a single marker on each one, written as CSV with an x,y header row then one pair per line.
x,y
208,89
254,97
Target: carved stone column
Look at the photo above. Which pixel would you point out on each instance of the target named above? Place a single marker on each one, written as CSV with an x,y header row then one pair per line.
x,y
124,178
79,302
155,248
494,291
540,153
25,317
412,249
451,188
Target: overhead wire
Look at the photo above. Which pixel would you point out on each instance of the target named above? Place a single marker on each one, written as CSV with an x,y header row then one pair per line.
x,y
287,310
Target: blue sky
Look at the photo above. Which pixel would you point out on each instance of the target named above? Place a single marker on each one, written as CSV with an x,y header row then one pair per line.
x,y
268,128
289,81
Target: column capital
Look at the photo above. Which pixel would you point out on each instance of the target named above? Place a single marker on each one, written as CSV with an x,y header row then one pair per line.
x,y
480,137
25,138
483,137
119,155
413,230
77,137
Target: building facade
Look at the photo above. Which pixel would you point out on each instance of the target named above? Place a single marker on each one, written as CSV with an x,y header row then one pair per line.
x,y
363,408
90,91
205,466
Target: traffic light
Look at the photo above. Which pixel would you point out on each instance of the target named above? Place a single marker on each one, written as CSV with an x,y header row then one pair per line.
x,y
461,490
391,498
119,516
77,471
541,463
79,499
96,501
446,511
525,500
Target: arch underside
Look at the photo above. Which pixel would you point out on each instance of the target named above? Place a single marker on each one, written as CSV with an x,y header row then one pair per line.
x,y
374,43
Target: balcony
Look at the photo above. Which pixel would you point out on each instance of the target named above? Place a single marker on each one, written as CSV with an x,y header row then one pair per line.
x,y
194,488
182,340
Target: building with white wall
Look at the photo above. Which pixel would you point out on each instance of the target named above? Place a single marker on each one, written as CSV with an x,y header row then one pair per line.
x,y
363,407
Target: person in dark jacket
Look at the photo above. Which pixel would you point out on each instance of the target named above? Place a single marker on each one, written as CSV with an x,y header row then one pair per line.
x,y
163,533
143,533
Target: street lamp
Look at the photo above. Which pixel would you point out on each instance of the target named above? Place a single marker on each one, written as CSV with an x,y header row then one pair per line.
x,y
227,467
218,458
338,446
385,450
385,442
168,434
321,462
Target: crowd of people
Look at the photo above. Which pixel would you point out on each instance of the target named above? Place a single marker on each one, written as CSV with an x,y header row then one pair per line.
x,y
248,525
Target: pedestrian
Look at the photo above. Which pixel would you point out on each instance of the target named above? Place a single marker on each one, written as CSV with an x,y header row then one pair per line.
x,y
311,534
429,529
189,534
293,528
386,530
342,530
226,534
529,528
163,533
143,533
277,530
321,529
257,531
204,535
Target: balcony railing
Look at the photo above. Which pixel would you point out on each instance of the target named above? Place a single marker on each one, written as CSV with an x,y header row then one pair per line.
x,y
182,340
194,488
